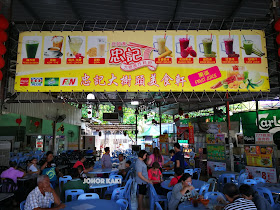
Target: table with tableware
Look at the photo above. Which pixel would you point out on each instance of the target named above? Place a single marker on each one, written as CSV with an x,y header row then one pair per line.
x,y
189,206
115,165
27,178
168,172
91,204
197,184
103,170
216,174
4,196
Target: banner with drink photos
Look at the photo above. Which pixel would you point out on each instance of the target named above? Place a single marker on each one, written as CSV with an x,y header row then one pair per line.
x,y
142,61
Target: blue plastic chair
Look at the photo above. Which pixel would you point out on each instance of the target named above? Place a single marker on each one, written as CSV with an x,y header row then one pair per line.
x,y
225,178
88,196
266,193
128,175
212,196
169,194
204,189
219,168
110,189
188,171
198,171
158,206
154,197
22,205
250,182
259,180
241,172
64,179
212,182
74,193
114,173
122,203
241,178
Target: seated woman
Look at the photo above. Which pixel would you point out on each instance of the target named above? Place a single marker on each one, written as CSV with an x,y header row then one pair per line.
x,y
33,168
182,191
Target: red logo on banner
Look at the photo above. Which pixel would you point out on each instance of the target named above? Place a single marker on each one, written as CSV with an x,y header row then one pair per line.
x,y
96,61
24,81
30,61
252,60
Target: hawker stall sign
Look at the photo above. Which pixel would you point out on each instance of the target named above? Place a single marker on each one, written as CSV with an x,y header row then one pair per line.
x,y
142,61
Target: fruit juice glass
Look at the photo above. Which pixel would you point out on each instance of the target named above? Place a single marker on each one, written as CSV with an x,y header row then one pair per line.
x,y
229,46
57,42
161,45
75,44
101,47
207,45
31,48
248,46
184,43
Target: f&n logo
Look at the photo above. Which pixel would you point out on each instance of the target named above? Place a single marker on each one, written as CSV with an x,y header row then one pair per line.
x,y
69,81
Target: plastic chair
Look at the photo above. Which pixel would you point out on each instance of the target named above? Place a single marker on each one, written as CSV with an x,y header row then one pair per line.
x,y
266,193
169,194
158,206
88,196
22,205
259,180
242,172
204,189
225,178
198,171
241,178
114,173
212,196
128,175
219,168
122,203
154,197
250,182
64,179
188,171
74,193
212,182
110,189
7,185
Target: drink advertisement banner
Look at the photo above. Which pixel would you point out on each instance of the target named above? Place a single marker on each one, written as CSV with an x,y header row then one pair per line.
x,y
216,152
268,174
142,61
259,160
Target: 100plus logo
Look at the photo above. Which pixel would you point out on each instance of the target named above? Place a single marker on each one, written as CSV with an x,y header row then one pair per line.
x,y
268,123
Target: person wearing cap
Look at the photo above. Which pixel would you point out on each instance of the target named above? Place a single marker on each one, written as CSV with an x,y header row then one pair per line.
x,y
80,162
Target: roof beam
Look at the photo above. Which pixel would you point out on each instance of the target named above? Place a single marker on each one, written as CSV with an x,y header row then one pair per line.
x,y
29,10
74,10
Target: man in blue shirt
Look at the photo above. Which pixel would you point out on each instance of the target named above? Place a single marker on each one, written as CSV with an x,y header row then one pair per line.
x,y
179,159
172,160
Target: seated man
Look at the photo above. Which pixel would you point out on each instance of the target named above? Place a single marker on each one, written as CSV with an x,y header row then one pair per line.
x,y
172,160
74,183
236,201
248,193
12,172
41,197
81,161
122,163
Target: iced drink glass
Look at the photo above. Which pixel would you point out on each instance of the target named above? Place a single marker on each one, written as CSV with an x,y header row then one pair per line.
x,y
101,48
207,45
31,48
248,46
184,43
75,44
57,42
229,46
161,45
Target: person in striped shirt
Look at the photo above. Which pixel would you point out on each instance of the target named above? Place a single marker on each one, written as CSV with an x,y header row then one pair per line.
x,y
236,201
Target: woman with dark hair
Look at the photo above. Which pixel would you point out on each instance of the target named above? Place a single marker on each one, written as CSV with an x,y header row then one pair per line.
x,y
141,177
182,191
156,157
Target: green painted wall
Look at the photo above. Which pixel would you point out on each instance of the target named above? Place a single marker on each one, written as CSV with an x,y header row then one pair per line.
x,y
10,120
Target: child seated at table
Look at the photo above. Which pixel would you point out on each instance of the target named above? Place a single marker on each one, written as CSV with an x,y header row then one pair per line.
x,y
33,167
178,174
155,176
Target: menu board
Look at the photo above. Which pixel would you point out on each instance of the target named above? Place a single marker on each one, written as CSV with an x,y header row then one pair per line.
x,y
259,160
216,152
268,174
215,138
264,138
258,149
142,61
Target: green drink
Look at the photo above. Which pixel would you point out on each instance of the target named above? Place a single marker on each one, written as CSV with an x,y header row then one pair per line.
x,y
245,73
248,46
31,48
207,45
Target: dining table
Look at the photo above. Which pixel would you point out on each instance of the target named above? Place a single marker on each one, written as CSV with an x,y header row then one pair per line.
x,y
216,174
4,196
103,170
197,184
92,204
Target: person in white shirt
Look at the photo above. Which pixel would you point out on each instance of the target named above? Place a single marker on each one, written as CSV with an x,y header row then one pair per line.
x,y
33,168
122,162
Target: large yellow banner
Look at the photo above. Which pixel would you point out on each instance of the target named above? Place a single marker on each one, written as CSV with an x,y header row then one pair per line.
x,y
142,61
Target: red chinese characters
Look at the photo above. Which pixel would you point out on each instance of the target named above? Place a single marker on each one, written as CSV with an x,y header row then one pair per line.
x,y
98,80
126,80
130,55
179,80
252,60
166,79
153,80
140,80
85,80
30,61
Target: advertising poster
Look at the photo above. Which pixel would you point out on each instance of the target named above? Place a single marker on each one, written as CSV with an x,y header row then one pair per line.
x,y
211,166
149,148
163,138
258,149
191,134
215,138
142,61
264,138
216,152
268,174
262,160
164,148
183,133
